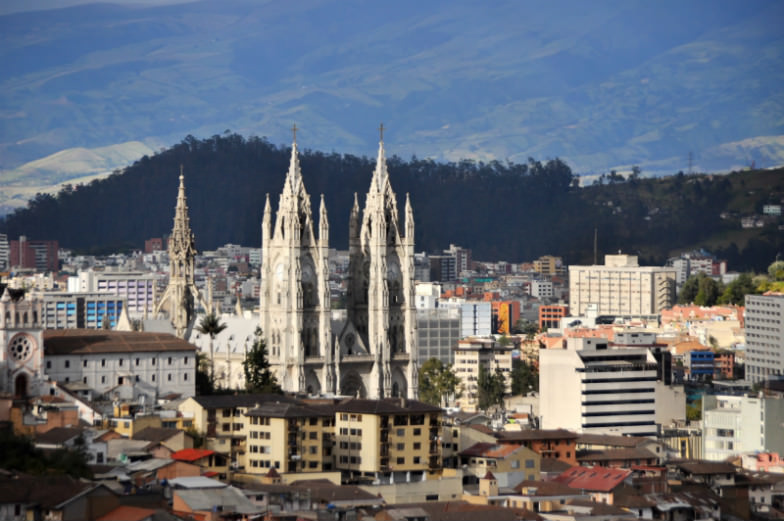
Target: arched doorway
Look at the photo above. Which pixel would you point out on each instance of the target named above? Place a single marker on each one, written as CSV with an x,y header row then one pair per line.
x,y
20,386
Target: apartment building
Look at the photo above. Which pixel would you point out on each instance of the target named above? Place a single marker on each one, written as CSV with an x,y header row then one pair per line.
x,y
764,327
476,319
387,437
474,354
733,425
289,438
138,288
621,287
550,316
81,310
593,388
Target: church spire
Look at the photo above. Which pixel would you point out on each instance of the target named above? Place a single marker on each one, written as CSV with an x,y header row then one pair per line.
x,y
323,223
380,174
181,231
294,175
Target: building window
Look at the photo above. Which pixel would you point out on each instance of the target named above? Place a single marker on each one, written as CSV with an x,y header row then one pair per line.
x,y
84,380
119,380
152,378
401,461
169,377
170,360
185,362
103,362
137,361
120,362
153,361
137,377
48,364
67,364
185,377
103,379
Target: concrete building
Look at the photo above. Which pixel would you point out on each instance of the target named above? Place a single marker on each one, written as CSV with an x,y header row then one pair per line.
x,y
474,354
289,437
593,388
438,331
5,252
22,342
476,319
621,287
387,439
550,316
542,289
138,288
733,425
764,327
81,310
34,254
125,364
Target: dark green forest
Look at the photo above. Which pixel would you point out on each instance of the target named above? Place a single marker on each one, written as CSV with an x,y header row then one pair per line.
x,y
500,210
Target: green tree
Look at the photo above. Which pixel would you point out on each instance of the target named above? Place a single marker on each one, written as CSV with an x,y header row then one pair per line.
x,y
735,292
258,376
491,388
438,383
709,291
525,327
204,382
211,325
699,289
525,378
776,270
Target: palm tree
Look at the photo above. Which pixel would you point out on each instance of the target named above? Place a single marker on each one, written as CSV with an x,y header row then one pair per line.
x,y
210,324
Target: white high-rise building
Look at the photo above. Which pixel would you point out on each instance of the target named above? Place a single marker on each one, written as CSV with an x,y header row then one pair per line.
x,y
732,425
621,287
764,329
593,388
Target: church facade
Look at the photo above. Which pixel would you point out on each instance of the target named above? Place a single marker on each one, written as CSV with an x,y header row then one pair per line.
x,y
373,353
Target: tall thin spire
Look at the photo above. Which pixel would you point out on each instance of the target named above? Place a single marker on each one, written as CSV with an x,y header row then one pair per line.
x,y
380,173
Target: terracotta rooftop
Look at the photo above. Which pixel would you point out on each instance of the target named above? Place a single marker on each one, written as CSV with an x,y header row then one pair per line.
x,y
545,488
599,479
128,513
90,341
191,454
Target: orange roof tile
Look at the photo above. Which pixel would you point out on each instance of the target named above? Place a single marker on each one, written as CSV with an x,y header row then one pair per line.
x,y
127,513
191,454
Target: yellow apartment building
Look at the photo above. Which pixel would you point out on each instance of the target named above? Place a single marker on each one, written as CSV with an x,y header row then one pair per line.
x,y
474,352
289,438
382,438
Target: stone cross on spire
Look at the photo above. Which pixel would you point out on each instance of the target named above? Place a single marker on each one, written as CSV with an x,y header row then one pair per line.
x,y
294,131
381,132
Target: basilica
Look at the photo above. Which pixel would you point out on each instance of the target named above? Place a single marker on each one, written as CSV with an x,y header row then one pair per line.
x,y
373,352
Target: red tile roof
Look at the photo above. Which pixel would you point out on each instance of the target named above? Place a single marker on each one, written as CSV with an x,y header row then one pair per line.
x,y
127,513
598,479
191,454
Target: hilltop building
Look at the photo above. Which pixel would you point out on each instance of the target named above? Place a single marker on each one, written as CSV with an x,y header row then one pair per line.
x,y
374,352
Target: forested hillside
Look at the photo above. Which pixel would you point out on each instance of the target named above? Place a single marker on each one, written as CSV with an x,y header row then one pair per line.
x,y
501,210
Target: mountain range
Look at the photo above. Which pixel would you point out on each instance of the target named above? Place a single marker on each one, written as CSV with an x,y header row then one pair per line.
x,y
669,86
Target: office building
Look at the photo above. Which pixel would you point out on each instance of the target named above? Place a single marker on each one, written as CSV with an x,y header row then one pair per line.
x,y
81,310
764,328
438,330
476,354
621,287
733,425
593,388
136,287
34,254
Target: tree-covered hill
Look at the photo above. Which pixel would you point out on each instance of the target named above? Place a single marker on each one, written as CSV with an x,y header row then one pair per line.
x,y
501,210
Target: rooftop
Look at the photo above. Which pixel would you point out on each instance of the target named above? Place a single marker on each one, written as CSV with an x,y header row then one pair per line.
x,y
92,341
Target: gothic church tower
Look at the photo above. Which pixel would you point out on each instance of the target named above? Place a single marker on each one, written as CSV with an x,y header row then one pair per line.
x,y
21,344
294,300
181,293
377,347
